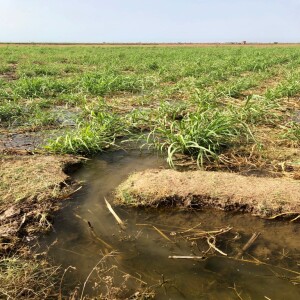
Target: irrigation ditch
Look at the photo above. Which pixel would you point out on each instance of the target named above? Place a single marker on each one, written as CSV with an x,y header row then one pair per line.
x,y
226,252
149,173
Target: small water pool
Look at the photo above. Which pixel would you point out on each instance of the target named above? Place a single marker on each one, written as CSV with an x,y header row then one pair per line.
x,y
84,231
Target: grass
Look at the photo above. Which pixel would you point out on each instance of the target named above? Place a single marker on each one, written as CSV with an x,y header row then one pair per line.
x,y
22,278
91,135
194,101
202,134
221,107
29,186
292,132
30,177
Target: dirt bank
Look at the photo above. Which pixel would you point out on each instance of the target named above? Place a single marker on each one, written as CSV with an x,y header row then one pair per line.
x,y
30,186
226,191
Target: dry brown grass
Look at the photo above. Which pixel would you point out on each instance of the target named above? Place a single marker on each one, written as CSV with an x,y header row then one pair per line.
x,y
29,188
226,191
21,278
31,176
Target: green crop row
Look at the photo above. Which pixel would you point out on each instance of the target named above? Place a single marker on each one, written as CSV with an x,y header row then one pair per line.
x,y
181,100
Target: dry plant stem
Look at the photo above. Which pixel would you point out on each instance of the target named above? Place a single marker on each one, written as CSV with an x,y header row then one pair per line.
x,y
295,219
94,268
161,225
96,237
61,281
93,232
253,238
162,234
236,292
187,257
201,234
73,192
120,222
190,229
212,245
285,214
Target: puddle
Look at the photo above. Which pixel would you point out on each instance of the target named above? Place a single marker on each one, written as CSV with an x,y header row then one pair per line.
x,y
21,141
144,251
28,141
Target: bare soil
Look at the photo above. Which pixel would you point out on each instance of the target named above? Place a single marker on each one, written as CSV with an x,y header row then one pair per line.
x,y
225,191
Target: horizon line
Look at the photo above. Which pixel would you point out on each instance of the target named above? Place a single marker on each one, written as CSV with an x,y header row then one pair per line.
x,y
151,43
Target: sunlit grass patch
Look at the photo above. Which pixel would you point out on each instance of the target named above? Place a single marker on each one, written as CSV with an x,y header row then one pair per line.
x,y
101,83
40,87
201,134
287,88
94,134
292,132
176,90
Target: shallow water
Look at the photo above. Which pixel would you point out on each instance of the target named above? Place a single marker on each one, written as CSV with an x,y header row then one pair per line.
x,y
143,251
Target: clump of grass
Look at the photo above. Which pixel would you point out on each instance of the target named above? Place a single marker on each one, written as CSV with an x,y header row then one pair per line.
x,y
22,278
203,134
13,113
40,87
173,111
9,111
287,88
92,135
5,69
102,84
259,110
292,132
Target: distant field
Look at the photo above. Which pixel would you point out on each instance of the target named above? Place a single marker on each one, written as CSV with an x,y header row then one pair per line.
x,y
236,105
154,44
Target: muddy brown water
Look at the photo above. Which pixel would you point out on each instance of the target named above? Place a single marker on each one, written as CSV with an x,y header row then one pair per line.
x,y
143,252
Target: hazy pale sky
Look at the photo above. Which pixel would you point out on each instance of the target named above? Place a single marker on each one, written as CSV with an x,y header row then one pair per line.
x,y
149,20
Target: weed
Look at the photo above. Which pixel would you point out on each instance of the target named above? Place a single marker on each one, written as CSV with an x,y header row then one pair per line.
x,y
292,132
94,135
26,279
202,134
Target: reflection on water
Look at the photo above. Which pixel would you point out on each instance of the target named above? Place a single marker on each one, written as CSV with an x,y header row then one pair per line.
x,y
143,252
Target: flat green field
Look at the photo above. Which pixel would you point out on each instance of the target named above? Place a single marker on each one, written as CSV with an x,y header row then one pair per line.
x,y
233,108
212,104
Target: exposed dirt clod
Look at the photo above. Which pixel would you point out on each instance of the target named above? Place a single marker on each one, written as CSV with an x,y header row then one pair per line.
x,y
226,191
30,186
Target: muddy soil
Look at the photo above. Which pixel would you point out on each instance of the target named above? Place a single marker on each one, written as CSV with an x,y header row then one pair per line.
x,y
21,141
225,191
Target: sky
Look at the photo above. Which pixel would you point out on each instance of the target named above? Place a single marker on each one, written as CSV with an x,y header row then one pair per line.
x,y
97,21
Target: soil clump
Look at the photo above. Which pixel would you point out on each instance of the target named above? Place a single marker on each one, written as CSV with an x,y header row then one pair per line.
x,y
264,197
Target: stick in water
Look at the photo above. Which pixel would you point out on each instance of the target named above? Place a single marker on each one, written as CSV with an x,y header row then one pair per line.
x,y
161,233
253,238
212,245
120,222
187,257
